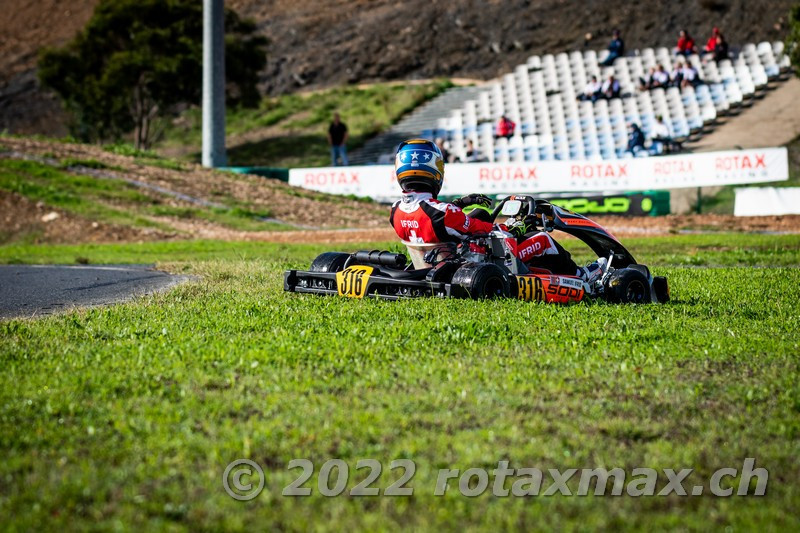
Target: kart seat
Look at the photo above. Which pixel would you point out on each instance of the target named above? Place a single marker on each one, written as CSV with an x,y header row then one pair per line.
x,y
417,251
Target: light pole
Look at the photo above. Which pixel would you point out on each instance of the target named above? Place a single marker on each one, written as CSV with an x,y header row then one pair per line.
x,y
214,84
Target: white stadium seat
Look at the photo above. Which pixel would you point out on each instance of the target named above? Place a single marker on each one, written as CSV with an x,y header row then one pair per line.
x,y
541,97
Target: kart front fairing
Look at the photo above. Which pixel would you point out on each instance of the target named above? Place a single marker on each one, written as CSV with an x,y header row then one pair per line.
x,y
601,241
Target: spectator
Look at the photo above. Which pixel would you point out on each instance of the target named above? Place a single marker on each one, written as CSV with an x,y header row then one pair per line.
x,y
647,82
472,155
660,78
505,128
661,136
635,139
337,139
689,76
676,76
610,88
686,45
591,91
711,44
615,49
445,152
721,49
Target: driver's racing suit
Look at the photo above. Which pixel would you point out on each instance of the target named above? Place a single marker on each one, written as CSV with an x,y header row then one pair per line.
x,y
420,218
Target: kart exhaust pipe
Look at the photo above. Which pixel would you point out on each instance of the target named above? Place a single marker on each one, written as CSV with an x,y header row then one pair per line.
x,y
377,257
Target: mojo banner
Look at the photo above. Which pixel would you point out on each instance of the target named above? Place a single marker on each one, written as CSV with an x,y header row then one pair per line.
x,y
666,172
651,203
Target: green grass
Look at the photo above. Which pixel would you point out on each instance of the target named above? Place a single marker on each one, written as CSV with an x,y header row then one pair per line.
x,y
124,417
86,196
298,123
116,201
712,250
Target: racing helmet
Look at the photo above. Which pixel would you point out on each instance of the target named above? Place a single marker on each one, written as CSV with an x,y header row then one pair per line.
x,y
419,166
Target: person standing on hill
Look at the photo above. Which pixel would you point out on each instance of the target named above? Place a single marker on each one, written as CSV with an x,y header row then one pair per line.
x,y
337,139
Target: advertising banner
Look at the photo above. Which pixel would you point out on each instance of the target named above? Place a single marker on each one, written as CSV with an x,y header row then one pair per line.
x,y
665,172
763,201
637,204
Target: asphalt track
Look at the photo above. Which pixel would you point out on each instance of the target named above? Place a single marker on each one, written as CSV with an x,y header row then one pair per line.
x,y
29,291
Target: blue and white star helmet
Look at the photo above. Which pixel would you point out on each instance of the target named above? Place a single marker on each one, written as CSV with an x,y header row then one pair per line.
x,y
419,166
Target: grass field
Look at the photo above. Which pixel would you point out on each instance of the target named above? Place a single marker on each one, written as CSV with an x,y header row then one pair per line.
x,y
125,417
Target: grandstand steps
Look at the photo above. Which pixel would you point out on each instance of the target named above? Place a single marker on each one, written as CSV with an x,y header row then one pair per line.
x,y
423,118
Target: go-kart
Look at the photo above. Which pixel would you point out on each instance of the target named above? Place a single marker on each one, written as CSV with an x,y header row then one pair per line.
x,y
483,266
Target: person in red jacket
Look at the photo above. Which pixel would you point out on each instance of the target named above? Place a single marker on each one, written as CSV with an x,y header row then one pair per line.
x,y
711,44
686,45
420,218
505,128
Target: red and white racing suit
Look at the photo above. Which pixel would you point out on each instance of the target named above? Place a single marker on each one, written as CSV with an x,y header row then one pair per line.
x,y
420,218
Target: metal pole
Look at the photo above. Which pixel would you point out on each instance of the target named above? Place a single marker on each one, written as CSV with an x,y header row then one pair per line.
x,y
214,83
699,207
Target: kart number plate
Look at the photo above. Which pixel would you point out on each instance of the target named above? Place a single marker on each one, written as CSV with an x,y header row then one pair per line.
x,y
530,288
352,281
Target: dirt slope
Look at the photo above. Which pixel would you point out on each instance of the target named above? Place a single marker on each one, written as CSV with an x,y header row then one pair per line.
x,y
322,42
184,188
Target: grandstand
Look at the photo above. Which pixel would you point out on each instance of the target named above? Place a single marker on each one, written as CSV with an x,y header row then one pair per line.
x,y
540,96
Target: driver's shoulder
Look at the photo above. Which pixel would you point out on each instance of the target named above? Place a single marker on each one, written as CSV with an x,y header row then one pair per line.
x,y
442,206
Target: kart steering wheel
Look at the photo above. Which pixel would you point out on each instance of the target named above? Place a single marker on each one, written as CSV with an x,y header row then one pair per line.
x,y
528,200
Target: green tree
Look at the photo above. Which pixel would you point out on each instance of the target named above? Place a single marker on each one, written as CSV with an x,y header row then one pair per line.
x,y
793,39
139,61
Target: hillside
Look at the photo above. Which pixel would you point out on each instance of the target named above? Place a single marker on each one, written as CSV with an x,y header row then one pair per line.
x,y
317,43
59,192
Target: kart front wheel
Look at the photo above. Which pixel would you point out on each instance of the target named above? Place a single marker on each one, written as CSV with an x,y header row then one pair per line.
x,y
482,280
329,262
627,286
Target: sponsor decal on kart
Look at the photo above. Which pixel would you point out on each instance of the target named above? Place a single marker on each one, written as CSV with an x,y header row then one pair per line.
x,y
550,289
575,283
352,281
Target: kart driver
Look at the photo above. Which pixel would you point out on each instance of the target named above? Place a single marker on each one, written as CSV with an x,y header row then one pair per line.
x,y
420,218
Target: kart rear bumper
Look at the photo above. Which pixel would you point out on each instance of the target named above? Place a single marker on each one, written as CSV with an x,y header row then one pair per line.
x,y
383,287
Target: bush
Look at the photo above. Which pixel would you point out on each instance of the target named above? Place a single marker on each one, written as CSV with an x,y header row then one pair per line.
x,y
793,39
138,61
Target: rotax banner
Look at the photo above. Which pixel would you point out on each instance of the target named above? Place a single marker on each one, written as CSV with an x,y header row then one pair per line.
x,y
665,172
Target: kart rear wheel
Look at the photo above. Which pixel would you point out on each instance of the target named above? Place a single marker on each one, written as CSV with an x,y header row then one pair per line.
x,y
329,262
627,286
482,280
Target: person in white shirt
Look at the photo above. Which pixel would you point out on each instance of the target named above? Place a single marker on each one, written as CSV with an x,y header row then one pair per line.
x,y
676,76
610,88
591,91
647,82
689,76
660,77
661,136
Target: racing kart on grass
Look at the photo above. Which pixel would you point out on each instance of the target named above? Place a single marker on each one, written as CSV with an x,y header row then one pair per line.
x,y
483,266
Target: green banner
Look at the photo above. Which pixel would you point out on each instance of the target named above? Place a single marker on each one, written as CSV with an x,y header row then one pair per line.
x,y
651,203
